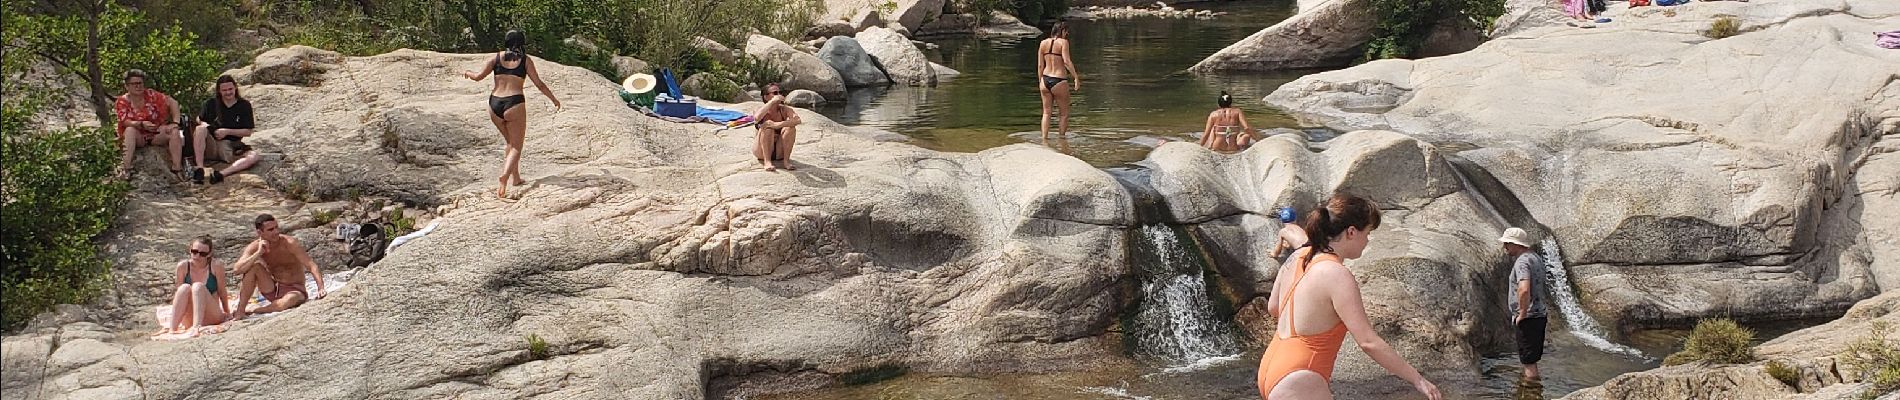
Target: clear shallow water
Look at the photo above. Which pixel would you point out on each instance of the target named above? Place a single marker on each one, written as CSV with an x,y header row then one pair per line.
x,y
1133,87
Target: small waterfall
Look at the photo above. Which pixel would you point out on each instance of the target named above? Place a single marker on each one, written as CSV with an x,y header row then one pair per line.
x,y
1175,318
1581,324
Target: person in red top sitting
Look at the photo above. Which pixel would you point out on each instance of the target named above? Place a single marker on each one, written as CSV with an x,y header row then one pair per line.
x,y
147,118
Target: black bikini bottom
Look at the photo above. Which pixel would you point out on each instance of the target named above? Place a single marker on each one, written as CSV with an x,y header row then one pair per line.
x,y
1050,81
499,105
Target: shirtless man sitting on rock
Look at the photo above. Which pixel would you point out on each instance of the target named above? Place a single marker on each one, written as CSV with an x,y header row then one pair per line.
x,y
273,265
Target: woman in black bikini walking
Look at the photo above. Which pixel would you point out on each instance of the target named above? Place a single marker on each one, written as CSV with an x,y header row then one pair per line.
x,y
512,68
1056,75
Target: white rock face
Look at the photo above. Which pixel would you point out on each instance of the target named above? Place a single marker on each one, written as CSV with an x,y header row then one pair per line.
x,y
901,59
1682,179
1327,35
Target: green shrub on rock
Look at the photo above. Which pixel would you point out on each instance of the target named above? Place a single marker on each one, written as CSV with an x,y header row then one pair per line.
x,y
1783,372
1877,357
1724,26
1403,25
1717,340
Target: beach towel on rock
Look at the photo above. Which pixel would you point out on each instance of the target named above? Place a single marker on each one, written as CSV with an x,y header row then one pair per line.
x,y
718,115
1887,40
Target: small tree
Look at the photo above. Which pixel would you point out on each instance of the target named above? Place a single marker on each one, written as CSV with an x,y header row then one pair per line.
x,y
98,40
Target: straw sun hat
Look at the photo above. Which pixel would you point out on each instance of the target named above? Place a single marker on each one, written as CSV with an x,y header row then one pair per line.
x,y
639,83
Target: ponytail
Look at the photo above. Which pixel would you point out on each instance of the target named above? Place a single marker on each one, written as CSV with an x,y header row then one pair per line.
x,y
1332,217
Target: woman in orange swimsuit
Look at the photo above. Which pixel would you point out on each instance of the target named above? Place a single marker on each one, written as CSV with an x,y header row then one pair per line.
x,y
1316,302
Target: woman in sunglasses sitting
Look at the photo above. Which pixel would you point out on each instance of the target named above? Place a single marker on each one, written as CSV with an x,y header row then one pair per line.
x,y
199,301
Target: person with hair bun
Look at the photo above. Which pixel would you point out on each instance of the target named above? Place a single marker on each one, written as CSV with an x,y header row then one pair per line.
x,y
1227,128
512,67
1316,301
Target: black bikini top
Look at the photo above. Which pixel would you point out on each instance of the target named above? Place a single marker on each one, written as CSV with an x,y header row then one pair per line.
x,y
520,70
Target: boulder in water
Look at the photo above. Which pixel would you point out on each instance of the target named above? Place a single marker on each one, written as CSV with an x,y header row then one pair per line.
x,y
804,98
803,70
854,66
900,58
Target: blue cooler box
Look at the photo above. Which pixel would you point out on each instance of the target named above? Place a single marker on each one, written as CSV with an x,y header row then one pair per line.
x,y
676,108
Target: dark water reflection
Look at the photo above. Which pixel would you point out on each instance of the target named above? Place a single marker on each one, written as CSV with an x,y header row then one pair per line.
x,y
1133,87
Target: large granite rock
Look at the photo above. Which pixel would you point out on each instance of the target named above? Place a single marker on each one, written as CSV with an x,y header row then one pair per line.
x,y
854,66
719,52
1814,354
911,14
653,257
1433,251
1328,35
1001,24
901,59
803,70
1685,177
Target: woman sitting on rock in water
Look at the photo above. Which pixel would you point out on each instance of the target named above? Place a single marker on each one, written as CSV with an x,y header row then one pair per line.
x,y
199,301
1227,128
1057,77
778,130
1316,301
506,105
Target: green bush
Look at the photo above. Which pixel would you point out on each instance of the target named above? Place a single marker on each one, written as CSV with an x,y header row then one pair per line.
x,y
1404,24
207,20
1724,26
657,31
537,347
1716,340
57,184
1877,357
1783,372
59,195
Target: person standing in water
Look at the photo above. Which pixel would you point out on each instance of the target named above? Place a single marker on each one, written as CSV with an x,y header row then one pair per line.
x,y
1316,301
506,104
1227,128
1526,300
1056,77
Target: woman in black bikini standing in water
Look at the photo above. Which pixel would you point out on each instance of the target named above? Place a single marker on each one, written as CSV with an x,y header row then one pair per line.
x,y
512,68
1056,75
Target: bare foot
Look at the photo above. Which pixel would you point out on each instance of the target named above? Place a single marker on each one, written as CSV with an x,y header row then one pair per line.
x,y
518,181
789,167
502,193
768,166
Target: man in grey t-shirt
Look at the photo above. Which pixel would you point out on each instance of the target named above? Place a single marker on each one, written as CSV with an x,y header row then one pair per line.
x,y
1526,300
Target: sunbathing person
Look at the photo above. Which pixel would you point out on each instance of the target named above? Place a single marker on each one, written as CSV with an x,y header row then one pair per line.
x,y
199,302
778,130
225,118
1227,128
273,265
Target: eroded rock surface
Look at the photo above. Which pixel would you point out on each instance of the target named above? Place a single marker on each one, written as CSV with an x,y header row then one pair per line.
x,y
1684,176
655,258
